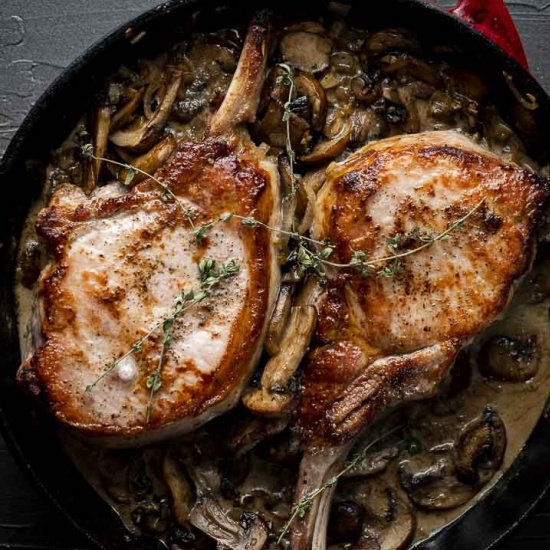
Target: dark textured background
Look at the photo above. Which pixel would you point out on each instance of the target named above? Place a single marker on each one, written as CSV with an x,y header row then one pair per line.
x,y
38,38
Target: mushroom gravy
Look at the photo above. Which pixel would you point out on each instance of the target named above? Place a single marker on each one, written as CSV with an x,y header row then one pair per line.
x,y
435,458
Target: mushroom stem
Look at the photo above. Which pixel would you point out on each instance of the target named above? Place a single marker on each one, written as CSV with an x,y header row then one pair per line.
x,y
325,151
243,96
274,396
100,123
139,140
123,115
180,488
209,516
147,163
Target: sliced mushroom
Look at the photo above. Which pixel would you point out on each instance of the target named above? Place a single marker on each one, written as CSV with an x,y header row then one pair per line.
x,y
274,396
335,121
307,26
146,134
283,448
325,151
306,51
249,534
481,448
99,124
233,472
344,63
153,97
202,469
394,113
509,359
414,97
365,88
249,431
392,40
152,516
389,521
401,66
367,126
123,115
366,542
289,183
307,194
279,320
310,87
432,485
466,84
100,135
346,521
443,106
273,130
148,163
180,488
227,60
209,516
374,463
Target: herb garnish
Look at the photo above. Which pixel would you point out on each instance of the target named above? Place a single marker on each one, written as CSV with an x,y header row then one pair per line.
x,y
210,276
287,79
309,255
300,509
131,171
308,260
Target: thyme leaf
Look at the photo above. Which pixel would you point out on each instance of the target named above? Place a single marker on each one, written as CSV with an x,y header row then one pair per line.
x,y
130,174
311,255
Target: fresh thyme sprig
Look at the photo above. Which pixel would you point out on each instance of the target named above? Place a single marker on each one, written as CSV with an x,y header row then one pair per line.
x,y
300,509
210,276
359,262
137,346
309,260
287,79
88,151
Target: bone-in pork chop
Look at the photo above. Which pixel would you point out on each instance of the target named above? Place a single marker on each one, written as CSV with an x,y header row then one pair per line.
x,y
392,336
120,260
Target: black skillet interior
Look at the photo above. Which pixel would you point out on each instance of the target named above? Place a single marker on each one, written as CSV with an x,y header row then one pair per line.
x,y
31,437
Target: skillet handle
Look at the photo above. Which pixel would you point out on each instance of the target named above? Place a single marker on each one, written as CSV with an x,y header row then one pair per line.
x,y
492,18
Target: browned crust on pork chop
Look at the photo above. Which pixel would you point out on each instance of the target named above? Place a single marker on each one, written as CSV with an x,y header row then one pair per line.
x,y
216,179
456,287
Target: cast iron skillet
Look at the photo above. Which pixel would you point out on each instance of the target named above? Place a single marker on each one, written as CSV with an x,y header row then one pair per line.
x,y
30,435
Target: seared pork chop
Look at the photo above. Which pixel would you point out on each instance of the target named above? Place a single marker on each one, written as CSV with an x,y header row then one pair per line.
x,y
391,337
120,260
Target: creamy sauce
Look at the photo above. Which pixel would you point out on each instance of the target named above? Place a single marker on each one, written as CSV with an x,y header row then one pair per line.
x,y
519,405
